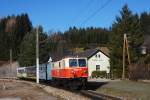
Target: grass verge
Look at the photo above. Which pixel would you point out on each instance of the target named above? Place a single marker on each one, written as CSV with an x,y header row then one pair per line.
x,y
129,90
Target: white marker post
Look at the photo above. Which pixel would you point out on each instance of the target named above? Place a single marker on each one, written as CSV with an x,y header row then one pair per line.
x,y
50,59
37,56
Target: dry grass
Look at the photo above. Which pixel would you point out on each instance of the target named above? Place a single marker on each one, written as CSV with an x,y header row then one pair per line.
x,y
24,91
127,89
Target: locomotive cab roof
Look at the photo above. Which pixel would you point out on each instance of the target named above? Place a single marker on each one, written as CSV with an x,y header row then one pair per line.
x,y
54,59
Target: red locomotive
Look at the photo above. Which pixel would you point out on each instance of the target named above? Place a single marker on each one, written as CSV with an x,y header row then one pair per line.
x,y
70,71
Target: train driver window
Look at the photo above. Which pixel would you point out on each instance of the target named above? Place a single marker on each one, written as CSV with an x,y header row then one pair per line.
x,y
82,62
73,62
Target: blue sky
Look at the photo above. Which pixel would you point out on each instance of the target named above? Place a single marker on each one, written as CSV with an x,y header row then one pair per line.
x,y
57,15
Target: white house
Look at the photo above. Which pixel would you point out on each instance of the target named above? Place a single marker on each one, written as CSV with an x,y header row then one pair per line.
x,y
96,60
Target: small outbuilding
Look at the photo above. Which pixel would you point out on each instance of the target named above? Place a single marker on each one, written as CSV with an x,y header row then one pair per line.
x,y
145,48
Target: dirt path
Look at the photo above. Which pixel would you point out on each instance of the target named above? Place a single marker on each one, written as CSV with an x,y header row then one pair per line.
x,y
23,91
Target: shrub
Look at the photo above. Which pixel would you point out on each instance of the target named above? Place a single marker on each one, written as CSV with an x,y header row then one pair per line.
x,y
97,74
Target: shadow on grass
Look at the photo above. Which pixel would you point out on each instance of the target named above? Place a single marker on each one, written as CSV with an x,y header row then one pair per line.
x,y
94,85
89,86
28,79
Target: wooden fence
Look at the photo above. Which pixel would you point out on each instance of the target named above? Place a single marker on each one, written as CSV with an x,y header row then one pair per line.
x,y
9,71
139,71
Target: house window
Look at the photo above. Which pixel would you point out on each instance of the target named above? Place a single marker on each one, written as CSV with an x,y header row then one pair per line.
x,y
96,56
99,56
143,50
97,67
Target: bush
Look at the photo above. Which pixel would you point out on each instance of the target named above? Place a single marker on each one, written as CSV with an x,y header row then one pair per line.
x,y
97,74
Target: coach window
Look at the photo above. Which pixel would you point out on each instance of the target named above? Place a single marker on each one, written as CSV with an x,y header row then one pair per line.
x,y
73,62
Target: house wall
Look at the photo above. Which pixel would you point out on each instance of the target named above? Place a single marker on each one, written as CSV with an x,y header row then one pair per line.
x,y
103,61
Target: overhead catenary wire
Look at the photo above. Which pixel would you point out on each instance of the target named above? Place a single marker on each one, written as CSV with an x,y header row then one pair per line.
x,y
82,11
97,11
88,18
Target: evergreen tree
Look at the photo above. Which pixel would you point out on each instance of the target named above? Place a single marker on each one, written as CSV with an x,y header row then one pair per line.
x,y
12,30
3,40
145,22
129,24
83,36
28,48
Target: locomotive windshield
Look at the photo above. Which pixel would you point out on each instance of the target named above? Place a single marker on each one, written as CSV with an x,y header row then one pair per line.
x,y
77,62
73,62
82,62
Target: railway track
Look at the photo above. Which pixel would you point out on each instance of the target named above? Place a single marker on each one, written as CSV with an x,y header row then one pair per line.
x,y
98,96
87,93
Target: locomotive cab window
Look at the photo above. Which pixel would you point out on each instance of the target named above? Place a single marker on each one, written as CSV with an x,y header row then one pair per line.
x,y
73,62
82,62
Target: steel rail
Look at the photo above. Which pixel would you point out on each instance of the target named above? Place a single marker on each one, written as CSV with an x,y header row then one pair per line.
x,y
98,96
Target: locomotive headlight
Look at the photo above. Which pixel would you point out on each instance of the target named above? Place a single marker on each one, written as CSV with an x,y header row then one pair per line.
x,y
85,71
72,71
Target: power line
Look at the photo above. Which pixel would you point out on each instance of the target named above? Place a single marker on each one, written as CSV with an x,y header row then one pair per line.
x,y
82,11
93,14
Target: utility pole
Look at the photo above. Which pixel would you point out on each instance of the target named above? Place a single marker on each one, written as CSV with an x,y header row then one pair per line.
x,y
129,62
10,74
125,46
37,55
123,69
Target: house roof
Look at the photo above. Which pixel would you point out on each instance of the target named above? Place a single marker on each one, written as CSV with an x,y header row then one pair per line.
x,y
90,52
87,53
104,50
